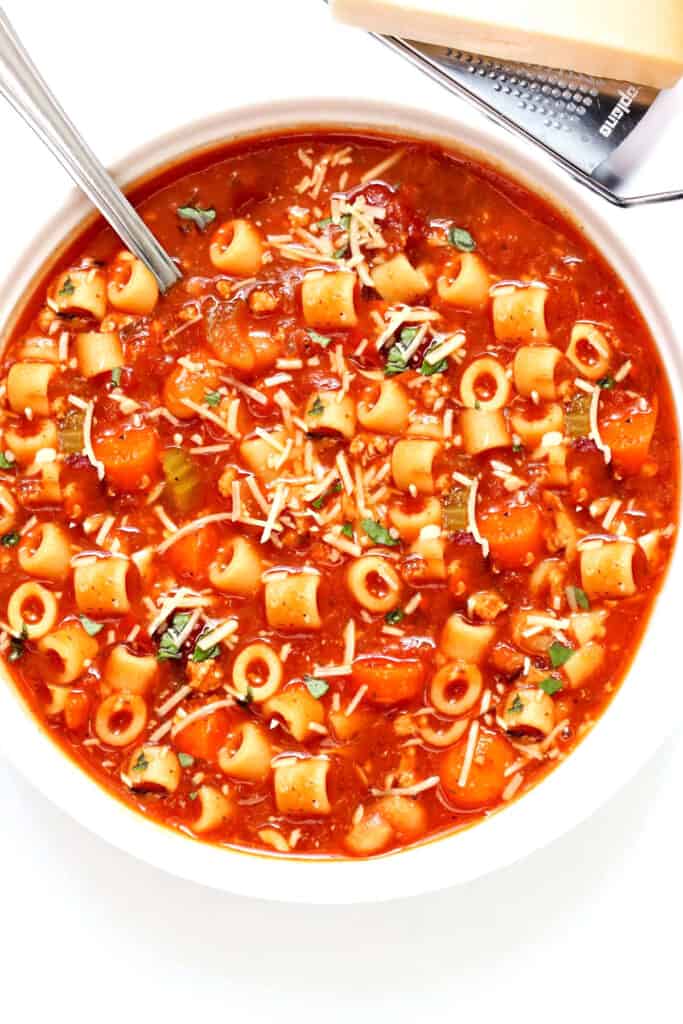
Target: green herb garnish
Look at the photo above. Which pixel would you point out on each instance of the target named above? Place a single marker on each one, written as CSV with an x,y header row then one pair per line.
x,y
396,361
92,628
607,382
5,462
427,368
324,223
202,218
140,763
378,533
169,649
581,598
326,495
10,540
186,760
550,685
316,687
347,530
68,288
212,398
205,653
319,339
395,616
317,408
461,239
559,654
338,254
517,448
517,706
116,376
345,221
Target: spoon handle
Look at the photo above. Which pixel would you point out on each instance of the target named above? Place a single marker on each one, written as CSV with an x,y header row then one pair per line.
x,y
26,91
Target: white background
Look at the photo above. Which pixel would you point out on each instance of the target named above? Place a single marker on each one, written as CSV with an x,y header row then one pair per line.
x,y
588,927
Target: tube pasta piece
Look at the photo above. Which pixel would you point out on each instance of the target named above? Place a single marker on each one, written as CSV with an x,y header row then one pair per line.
x,y
589,351
387,412
412,463
59,695
215,810
412,515
426,425
456,688
301,786
257,671
25,442
465,282
374,583
69,650
247,754
325,414
347,727
260,457
533,369
607,571
45,488
132,288
28,386
528,711
484,385
297,709
8,510
153,768
397,280
292,601
81,290
101,586
462,641
45,551
587,626
583,664
328,299
31,610
533,422
483,431
238,568
120,719
425,560
442,737
389,817
519,313
98,352
236,248
125,672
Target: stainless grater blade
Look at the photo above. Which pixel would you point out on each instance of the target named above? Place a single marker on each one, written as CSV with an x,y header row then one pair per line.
x,y
578,119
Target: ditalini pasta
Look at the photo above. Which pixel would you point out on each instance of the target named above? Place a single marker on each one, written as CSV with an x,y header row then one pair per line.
x,y
348,539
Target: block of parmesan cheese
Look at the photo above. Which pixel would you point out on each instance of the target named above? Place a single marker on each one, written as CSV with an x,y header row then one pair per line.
x,y
636,40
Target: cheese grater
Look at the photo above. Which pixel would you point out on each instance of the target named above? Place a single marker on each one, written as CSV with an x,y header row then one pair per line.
x,y
598,129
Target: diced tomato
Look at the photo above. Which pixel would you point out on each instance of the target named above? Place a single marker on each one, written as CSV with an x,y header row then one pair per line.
x,y
466,566
204,737
130,457
627,424
514,533
183,384
389,680
486,778
191,555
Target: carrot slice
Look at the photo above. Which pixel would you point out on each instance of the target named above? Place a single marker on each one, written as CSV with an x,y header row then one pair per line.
x,y
514,533
627,429
204,737
183,384
389,680
486,778
130,457
191,556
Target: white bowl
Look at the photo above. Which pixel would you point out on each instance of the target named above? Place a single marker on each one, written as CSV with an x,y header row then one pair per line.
x,y
643,713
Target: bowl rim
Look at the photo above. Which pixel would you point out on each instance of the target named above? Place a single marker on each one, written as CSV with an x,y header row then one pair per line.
x,y
575,789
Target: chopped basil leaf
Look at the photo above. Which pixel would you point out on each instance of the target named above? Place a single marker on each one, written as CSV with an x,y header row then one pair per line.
x,y
408,334
517,448
394,616
140,763
9,540
192,795
326,495
338,254
91,628
68,288
5,462
517,706
582,598
186,760
116,375
202,218
378,533
606,382
559,654
319,339
345,221
461,239
205,653
212,398
347,530
317,408
550,685
316,687
427,368
168,643
396,360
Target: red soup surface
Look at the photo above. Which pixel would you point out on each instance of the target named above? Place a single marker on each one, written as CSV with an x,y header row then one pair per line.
x,y
349,539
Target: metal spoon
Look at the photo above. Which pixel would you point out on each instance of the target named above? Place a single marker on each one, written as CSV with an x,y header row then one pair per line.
x,y
25,90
